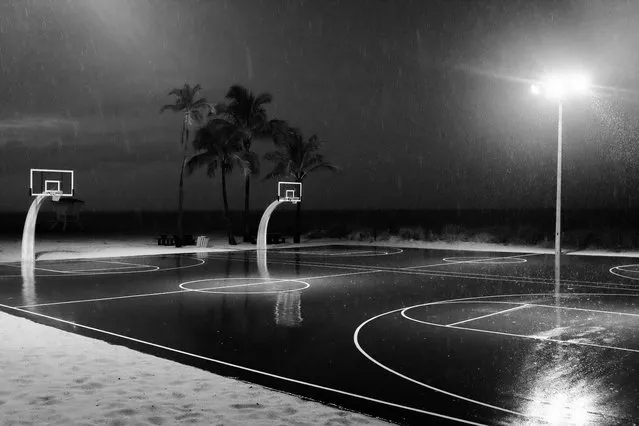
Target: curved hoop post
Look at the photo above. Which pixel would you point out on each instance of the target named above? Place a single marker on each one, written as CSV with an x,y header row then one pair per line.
x,y
28,233
261,238
263,228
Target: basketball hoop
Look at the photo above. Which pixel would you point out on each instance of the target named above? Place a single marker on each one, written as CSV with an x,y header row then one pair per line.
x,y
55,195
291,192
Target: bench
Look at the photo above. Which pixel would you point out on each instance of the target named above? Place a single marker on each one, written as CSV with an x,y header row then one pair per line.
x,y
165,240
275,238
170,240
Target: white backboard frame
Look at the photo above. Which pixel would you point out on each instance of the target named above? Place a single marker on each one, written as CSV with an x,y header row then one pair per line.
x,y
284,191
47,182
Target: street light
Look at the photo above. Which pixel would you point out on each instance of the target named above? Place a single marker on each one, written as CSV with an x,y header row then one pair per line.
x,y
558,88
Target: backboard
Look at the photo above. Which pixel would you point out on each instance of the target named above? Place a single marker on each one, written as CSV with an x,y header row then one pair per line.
x,y
47,181
289,191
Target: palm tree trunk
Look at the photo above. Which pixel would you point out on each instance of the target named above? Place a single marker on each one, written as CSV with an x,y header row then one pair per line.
x,y
180,232
178,240
229,225
298,223
247,192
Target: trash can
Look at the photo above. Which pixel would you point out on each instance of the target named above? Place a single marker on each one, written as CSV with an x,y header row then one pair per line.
x,y
202,241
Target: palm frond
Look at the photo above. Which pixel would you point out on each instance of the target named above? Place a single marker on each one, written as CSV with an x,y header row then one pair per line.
x,y
279,171
260,128
280,132
210,169
320,167
200,103
262,99
277,129
172,107
313,144
230,161
216,134
199,160
220,107
238,93
311,158
195,115
253,161
276,156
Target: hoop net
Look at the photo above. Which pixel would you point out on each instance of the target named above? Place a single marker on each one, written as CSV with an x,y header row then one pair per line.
x,y
55,195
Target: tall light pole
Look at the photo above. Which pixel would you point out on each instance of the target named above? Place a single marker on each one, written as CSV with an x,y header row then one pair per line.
x,y
558,88
558,200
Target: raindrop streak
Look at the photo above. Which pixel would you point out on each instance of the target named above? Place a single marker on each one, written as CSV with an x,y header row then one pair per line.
x,y
249,62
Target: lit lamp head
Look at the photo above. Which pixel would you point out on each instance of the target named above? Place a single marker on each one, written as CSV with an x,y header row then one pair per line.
x,y
560,86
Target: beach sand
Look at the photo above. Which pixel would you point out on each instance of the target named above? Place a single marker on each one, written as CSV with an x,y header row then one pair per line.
x,y
51,376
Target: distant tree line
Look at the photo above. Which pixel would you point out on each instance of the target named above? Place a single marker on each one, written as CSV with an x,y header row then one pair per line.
x,y
222,143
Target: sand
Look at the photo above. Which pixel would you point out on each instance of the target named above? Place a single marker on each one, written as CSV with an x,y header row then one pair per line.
x,y
54,377
51,376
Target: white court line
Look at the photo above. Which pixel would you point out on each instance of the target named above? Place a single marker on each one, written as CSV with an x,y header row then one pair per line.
x,y
104,271
450,301
587,310
99,299
410,379
281,261
351,253
11,265
487,315
449,274
516,277
536,305
119,268
478,260
118,262
113,271
60,272
485,277
133,265
523,336
213,290
621,268
251,370
532,337
275,280
129,265
550,295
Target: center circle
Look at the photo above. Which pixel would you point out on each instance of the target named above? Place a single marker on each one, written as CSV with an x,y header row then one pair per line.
x,y
626,271
255,285
486,260
340,252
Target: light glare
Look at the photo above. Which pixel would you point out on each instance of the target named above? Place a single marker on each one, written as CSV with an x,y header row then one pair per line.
x,y
560,86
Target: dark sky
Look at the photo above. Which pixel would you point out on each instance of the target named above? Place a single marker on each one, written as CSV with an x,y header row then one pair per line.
x,y
424,104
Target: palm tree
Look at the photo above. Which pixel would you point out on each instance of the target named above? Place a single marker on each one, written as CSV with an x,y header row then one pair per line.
x,y
247,113
294,159
218,146
185,103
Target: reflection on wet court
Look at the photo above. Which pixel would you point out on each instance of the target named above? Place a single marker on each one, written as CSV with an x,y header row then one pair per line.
x,y
414,336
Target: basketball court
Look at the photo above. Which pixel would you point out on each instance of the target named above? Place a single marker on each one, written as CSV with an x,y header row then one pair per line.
x,y
410,335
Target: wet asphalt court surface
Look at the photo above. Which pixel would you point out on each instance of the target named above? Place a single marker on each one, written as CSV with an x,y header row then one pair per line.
x,y
410,335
